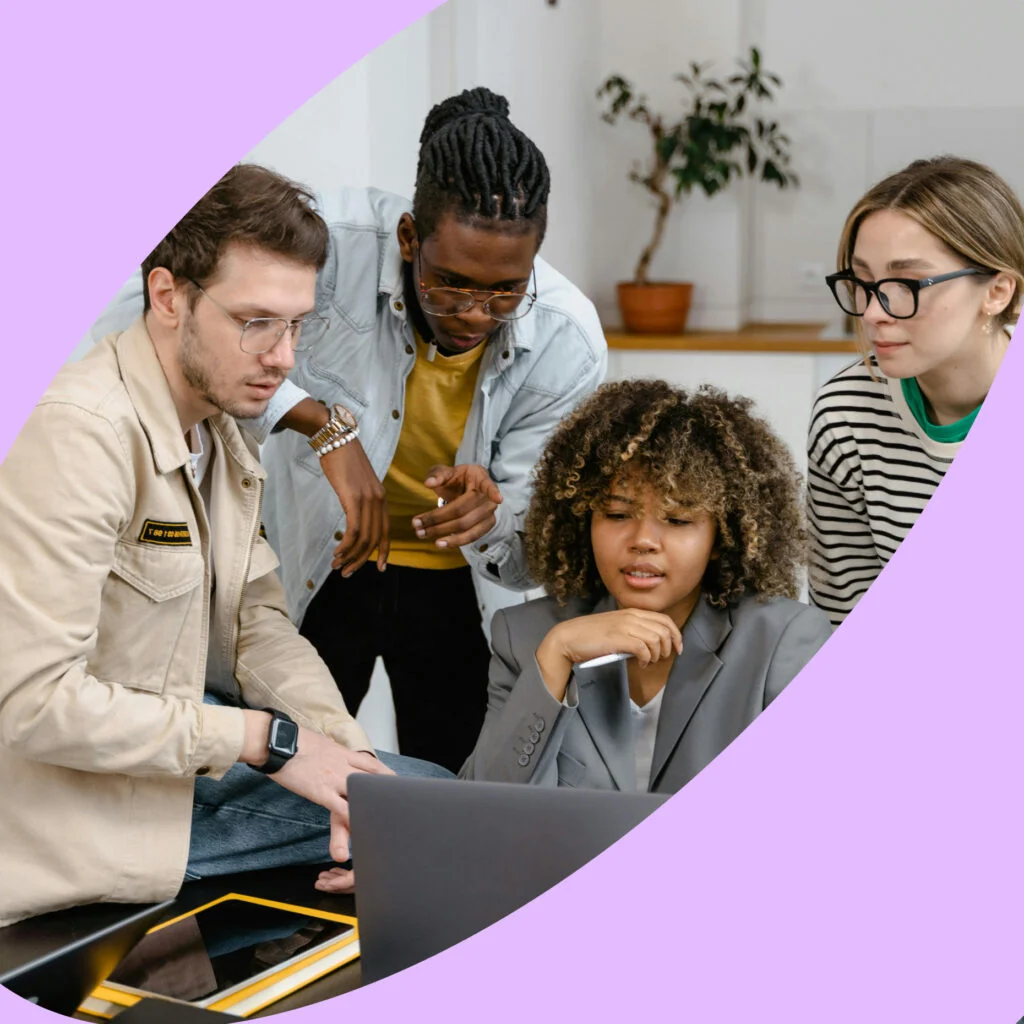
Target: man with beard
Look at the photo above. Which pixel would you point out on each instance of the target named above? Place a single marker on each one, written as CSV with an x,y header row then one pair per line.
x,y
149,661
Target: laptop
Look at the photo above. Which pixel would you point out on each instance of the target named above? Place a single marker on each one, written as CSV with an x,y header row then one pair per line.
x,y
438,860
56,960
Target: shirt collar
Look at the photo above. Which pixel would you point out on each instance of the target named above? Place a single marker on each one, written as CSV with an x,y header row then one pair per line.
x,y
151,398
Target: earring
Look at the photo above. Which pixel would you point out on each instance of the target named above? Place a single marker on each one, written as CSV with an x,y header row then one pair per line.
x,y
989,327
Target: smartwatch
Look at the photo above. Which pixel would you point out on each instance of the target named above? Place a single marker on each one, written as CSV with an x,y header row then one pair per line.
x,y
283,745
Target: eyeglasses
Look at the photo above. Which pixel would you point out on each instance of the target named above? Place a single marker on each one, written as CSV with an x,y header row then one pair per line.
x,y
898,296
452,301
262,333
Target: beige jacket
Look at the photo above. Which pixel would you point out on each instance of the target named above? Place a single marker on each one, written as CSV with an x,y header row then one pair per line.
x,y
107,631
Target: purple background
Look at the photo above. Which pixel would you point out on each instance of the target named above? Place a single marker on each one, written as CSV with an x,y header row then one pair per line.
x,y
856,856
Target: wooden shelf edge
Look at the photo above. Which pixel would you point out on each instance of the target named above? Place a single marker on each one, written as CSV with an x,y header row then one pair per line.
x,y
701,343
782,338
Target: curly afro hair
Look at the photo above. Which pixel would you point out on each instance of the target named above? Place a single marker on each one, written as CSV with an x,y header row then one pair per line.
x,y
701,449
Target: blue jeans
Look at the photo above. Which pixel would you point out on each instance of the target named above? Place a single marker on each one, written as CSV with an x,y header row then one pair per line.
x,y
246,822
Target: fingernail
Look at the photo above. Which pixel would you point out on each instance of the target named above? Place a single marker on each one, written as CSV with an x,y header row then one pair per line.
x,y
430,482
420,533
442,543
416,524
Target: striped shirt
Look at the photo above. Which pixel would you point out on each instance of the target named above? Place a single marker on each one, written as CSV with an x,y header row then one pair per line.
x,y
870,472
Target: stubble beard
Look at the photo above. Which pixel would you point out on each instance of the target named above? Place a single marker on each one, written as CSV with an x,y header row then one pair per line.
x,y
196,375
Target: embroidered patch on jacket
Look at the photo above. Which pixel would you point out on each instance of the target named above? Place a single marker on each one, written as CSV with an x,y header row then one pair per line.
x,y
155,532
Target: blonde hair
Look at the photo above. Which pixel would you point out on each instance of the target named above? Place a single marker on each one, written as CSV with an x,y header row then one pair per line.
x,y
964,204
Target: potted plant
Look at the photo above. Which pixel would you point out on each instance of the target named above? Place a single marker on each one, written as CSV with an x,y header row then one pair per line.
x,y
717,138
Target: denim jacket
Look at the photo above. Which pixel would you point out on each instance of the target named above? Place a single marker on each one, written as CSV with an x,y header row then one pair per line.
x,y
534,372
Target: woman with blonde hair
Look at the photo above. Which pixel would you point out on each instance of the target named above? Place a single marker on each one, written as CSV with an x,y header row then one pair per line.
x,y
932,262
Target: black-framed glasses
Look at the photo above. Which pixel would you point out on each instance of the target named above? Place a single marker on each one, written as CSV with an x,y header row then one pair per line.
x,y
452,301
261,334
898,296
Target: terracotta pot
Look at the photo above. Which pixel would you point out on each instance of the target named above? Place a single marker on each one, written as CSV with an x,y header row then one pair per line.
x,y
655,308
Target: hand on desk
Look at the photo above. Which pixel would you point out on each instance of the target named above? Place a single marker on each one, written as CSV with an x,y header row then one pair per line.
x,y
336,880
318,771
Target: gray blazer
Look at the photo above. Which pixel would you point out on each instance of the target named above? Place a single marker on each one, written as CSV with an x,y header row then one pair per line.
x,y
734,663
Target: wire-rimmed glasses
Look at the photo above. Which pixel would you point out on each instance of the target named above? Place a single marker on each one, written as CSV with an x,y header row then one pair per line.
x,y
497,305
260,334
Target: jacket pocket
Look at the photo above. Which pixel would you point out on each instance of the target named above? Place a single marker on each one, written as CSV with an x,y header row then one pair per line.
x,y
147,614
570,771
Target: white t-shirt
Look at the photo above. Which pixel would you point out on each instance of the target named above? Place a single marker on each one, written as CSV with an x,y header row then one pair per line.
x,y
200,446
645,730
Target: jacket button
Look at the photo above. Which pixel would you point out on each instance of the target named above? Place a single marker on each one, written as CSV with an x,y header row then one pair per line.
x,y
246,482
395,414
399,305
524,760
483,547
338,535
408,350
504,355
539,725
202,771
528,748
310,585
534,736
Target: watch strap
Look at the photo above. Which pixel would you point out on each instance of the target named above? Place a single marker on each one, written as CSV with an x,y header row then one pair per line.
x,y
276,757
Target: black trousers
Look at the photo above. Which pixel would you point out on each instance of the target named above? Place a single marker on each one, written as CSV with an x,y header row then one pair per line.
x,y
425,624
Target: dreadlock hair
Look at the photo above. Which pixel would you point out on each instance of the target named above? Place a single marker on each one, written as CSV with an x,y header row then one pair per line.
x,y
476,164
700,449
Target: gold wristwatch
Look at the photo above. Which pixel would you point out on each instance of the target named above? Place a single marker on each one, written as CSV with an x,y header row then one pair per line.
x,y
337,432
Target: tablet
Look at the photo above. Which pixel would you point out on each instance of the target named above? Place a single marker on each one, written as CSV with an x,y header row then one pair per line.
x,y
236,955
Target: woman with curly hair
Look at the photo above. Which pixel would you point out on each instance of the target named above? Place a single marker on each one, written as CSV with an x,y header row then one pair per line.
x,y
666,527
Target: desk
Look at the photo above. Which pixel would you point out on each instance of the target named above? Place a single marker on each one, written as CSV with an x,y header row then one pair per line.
x,y
27,940
286,885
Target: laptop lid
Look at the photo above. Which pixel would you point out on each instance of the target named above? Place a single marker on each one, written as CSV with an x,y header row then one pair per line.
x,y
57,959
485,849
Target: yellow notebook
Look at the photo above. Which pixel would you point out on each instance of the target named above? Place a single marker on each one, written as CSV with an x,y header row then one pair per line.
x,y
236,954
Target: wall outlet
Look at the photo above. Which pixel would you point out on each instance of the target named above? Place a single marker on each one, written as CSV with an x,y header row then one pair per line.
x,y
810,276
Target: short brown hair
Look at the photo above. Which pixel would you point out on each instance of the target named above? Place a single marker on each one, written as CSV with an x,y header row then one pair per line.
x,y
702,449
251,205
964,204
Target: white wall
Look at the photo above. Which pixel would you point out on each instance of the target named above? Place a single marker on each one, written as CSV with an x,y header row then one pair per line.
x,y
544,60
362,128
868,89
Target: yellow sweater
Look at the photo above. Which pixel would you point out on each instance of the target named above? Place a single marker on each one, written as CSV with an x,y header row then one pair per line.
x,y
438,396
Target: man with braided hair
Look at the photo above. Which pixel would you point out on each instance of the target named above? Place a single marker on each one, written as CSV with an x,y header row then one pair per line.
x,y
414,424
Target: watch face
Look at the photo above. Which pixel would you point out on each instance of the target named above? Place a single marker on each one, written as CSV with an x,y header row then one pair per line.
x,y
284,737
345,416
